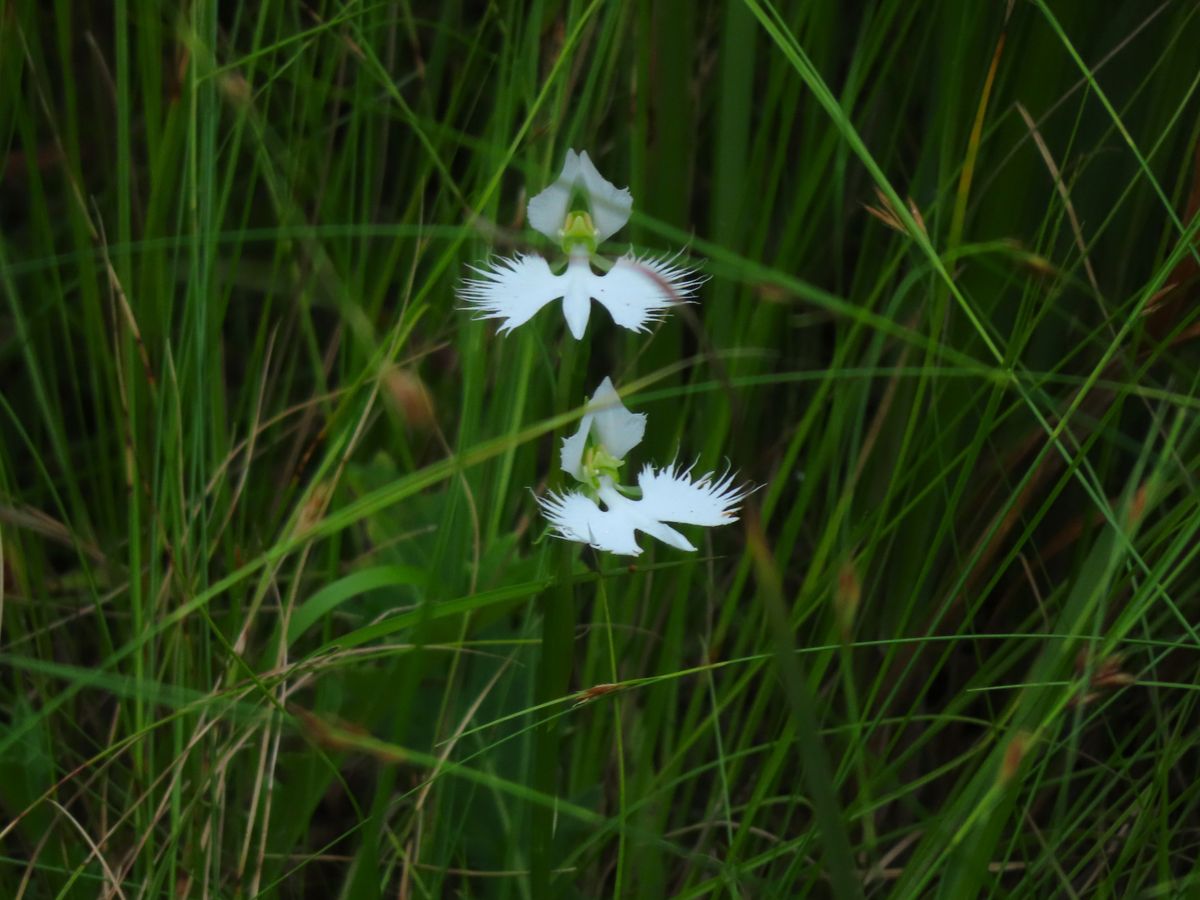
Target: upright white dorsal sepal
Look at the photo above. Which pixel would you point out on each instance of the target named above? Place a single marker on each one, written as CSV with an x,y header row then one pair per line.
x,y
609,205
547,211
617,430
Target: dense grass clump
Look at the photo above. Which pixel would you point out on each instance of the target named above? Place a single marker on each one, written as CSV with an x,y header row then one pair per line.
x,y
278,615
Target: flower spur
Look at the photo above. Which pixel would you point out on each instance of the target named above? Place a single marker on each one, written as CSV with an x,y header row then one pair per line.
x,y
636,291
669,494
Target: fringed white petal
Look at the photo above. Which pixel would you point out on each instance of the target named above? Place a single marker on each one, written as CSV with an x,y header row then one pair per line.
x,y
548,210
578,518
512,289
610,206
637,292
671,495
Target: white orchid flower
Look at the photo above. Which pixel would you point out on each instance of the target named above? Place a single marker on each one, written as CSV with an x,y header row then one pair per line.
x,y
635,291
669,494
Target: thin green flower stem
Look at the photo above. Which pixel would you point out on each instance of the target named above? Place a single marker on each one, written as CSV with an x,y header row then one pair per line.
x,y
619,878
553,681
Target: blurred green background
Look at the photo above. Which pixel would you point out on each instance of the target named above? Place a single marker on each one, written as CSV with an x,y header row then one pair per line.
x,y
279,616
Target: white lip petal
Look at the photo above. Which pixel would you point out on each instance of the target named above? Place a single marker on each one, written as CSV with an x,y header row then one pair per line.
x,y
642,517
578,518
577,301
618,429
665,533
670,495
512,289
637,292
610,205
548,210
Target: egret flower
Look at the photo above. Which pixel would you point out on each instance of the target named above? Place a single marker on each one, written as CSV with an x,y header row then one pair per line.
x,y
636,291
595,453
